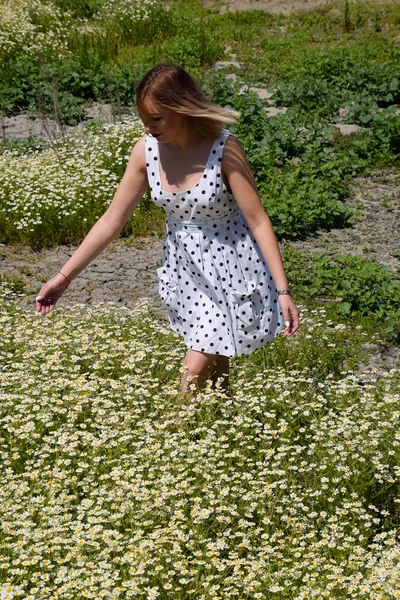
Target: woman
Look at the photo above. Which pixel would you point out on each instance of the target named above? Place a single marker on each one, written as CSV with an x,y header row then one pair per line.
x,y
222,277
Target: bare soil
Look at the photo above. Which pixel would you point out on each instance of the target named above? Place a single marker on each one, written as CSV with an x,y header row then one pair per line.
x,y
21,126
272,6
123,273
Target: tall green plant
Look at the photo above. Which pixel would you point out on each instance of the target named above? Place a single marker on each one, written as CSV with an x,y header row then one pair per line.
x,y
347,17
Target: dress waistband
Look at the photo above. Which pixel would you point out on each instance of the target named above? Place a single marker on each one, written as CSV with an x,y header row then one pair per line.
x,y
200,224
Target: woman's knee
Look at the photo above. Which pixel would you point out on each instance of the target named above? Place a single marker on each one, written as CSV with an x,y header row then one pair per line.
x,y
196,368
195,362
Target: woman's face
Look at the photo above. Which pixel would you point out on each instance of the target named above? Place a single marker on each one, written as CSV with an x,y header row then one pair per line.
x,y
161,123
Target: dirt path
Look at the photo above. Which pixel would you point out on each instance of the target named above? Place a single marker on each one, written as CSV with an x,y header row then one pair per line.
x,y
272,6
123,273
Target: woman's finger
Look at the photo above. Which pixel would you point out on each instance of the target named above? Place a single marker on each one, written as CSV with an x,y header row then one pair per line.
x,y
287,323
294,320
291,317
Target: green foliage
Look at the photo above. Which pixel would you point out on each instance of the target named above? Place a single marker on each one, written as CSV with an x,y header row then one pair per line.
x,y
20,83
13,283
364,287
302,168
81,9
347,22
60,89
325,82
330,350
147,219
134,22
23,146
57,90
197,50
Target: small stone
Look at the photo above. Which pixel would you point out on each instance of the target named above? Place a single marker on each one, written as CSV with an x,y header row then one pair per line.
x,y
273,111
222,64
261,93
347,128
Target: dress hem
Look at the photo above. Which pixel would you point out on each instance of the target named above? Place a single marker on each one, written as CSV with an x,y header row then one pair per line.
x,y
230,355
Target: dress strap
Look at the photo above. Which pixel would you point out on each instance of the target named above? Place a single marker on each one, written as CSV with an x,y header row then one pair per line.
x,y
151,150
217,150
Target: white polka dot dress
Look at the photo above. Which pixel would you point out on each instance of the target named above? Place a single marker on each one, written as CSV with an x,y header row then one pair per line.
x,y
214,281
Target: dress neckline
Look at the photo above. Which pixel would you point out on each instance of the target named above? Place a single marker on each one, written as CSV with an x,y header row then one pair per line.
x,y
177,193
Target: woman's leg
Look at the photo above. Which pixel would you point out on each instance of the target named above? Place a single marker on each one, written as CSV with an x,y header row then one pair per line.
x,y
197,367
221,370
201,366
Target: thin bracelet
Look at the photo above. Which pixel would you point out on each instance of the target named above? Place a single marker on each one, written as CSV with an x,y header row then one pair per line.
x,y
66,278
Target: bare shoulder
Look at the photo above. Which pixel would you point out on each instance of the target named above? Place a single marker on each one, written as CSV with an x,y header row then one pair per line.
x,y
233,155
137,159
234,159
232,146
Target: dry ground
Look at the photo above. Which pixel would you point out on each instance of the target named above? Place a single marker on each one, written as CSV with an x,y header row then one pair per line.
x,y
273,6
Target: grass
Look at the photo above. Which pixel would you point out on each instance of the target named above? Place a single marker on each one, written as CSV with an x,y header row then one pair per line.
x,y
287,486
364,287
106,495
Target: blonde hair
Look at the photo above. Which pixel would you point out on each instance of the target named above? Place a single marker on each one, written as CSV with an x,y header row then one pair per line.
x,y
171,87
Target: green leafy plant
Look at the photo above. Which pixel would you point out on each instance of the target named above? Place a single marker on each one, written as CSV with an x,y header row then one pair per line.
x,y
23,146
365,287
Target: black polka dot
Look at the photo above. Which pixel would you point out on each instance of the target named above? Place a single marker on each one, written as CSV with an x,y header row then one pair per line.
x,y
197,283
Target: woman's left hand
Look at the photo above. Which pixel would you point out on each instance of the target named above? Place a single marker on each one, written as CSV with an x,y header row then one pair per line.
x,y
290,314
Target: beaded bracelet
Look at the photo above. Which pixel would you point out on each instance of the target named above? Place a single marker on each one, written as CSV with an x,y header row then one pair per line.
x,y
66,278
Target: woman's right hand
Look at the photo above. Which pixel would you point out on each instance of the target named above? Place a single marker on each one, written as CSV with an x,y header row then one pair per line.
x,y
50,293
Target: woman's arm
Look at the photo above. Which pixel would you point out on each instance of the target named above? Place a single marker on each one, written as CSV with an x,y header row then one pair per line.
x,y
239,179
131,189
129,192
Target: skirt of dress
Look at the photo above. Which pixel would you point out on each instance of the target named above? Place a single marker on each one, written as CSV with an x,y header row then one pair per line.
x,y
217,287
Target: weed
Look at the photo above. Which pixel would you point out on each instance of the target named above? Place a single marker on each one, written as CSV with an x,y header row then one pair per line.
x,y
364,287
14,283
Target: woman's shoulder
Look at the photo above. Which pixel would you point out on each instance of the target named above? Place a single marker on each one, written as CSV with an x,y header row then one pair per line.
x,y
138,153
232,144
229,140
225,133
140,145
234,157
